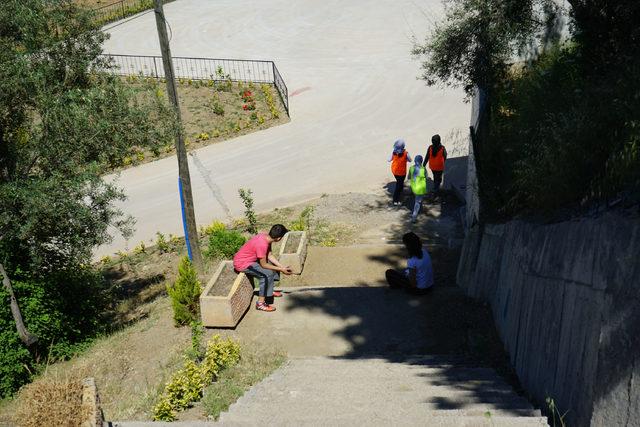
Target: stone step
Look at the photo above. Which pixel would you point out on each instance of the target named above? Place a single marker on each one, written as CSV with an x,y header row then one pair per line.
x,y
377,389
434,421
388,372
377,418
277,410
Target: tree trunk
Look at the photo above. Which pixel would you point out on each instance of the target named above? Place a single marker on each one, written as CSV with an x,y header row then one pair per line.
x,y
27,337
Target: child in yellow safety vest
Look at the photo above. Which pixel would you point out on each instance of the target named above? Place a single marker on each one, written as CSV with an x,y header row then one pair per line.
x,y
418,179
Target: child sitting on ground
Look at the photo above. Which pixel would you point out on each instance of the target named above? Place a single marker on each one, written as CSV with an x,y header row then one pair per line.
x,y
417,278
255,259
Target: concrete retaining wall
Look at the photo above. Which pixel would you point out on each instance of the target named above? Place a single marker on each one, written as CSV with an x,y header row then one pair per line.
x,y
566,302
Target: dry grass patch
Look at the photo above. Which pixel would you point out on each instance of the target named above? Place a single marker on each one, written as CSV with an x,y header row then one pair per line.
x,y
55,400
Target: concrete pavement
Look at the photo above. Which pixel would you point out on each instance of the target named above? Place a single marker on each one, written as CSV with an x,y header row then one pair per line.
x,y
358,92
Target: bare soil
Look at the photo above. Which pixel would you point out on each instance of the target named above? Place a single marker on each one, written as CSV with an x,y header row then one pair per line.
x,y
224,282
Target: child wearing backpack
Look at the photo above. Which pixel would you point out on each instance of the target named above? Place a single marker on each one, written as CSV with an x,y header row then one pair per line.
x,y
418,179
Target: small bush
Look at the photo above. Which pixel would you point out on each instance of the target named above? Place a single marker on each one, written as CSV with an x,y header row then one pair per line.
x,y
217,108
187,384
140,249
196,352
249,213
184,294
224,243
303,221
161,243
214,227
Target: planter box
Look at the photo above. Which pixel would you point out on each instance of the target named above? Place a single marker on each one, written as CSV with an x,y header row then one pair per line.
x,y
293,254
225,311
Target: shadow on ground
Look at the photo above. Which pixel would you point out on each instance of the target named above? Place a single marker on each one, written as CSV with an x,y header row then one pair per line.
x,y
128,293
379,322
438,222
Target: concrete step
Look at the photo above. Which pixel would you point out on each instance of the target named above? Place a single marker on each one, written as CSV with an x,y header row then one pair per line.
x,y
326,418
378,391
434,421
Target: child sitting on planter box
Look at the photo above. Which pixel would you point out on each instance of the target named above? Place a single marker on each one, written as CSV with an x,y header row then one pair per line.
x,y
255,259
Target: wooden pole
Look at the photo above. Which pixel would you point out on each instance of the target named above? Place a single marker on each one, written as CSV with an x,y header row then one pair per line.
x,y
183,165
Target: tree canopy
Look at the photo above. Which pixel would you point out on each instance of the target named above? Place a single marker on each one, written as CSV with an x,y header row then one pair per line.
x,y
63,125
560,125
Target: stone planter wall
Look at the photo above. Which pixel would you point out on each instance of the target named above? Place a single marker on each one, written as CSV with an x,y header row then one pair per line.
x,y
225,311
295,259
91,403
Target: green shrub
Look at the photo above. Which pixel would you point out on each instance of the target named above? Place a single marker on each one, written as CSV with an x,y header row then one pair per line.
x,y
249,213
196,352
214,227
161,243
303,221
224,243
187,384
184,294
560,137
62,310
217,108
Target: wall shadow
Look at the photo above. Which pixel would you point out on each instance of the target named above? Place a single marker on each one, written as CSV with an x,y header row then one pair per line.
x,y
444,330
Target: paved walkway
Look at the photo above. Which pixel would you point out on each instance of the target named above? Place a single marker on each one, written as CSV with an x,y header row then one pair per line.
x,y
360,94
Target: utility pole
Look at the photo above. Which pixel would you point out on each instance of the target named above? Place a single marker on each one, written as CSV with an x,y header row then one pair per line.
x,y
184,184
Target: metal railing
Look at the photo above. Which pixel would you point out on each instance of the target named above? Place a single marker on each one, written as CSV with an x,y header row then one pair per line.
x,y
236,70
121,9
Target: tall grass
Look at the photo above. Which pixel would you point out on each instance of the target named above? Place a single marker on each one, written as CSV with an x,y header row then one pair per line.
x,y
561,136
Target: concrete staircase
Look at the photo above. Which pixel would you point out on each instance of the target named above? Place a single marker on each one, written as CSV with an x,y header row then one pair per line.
x,y
376,391
423,390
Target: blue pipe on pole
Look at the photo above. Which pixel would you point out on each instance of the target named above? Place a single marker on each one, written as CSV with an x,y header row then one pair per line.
x,y
184,220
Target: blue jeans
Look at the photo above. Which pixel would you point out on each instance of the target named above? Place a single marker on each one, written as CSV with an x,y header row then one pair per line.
x,y
417,204
266,278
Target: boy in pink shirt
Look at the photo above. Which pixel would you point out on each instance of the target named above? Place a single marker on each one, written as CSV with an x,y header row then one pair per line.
x,y
255,259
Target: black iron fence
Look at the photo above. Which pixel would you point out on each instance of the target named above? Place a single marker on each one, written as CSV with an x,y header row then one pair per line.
x,y
121,9
218,70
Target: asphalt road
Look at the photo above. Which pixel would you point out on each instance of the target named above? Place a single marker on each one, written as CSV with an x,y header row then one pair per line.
x,y
358,91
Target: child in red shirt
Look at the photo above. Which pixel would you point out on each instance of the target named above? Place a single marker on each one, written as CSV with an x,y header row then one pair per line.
x,y
255,259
